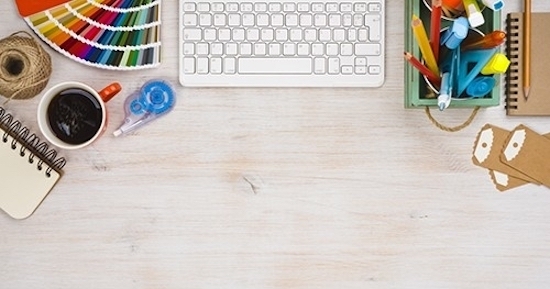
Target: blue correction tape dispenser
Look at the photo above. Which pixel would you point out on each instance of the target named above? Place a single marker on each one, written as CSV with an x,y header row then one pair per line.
x,y
154,99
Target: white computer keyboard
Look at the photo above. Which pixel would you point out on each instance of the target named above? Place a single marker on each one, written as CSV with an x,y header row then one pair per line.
x,y
275,44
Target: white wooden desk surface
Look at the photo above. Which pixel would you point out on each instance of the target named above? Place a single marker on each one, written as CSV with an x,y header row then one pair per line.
x,y
278,188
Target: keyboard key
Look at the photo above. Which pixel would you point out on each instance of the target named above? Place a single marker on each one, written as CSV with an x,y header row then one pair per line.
x,y
275,7
190,19
360,70
231,48
277,19
320,65
289,49
310,35
375,7
203,7
246,49
317,49
361,61
205,19
320,20
220,20
267,35
281,34
192,34
367,49
338,35
260,49
347,20
303,49
189,65
249,19
216,48
188,48
346,49
234,19
216,65
210,34
262,19
260,7
332,49
259,65
334,65
325,34
358,20
224,34
334,20
360,7
296,34
291,20
303,7
306,20
346,7
218,7
203,65
347,69
289,7
363,34
229,65
317,7
189,7
373,22
374,69
252,34
352,35
247,7
274,49
232,7
203,49
332,7
238,34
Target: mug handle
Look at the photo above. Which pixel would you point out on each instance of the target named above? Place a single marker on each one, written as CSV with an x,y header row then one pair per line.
x,y
110,91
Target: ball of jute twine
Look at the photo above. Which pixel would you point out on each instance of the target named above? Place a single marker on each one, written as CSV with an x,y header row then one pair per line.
x,y
25,67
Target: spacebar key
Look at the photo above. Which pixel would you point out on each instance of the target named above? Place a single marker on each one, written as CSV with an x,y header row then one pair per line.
x,y
258,65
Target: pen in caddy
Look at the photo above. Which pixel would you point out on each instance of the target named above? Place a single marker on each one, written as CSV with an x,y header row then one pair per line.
x,y
153,100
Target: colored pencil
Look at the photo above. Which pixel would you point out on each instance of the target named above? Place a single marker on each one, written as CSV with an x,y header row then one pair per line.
x,y
433,78
424,44
435,27
527,49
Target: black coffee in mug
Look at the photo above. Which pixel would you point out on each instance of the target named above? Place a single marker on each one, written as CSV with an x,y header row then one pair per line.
x,y
74,115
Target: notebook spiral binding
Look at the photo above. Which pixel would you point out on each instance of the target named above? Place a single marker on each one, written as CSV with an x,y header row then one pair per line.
x,y
29,142
512,50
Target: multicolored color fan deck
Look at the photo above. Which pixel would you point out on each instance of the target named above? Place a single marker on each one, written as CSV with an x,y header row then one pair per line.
x,y
109,34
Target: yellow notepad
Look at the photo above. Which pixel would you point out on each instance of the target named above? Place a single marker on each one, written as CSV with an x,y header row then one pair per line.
x,y
538,102
28,168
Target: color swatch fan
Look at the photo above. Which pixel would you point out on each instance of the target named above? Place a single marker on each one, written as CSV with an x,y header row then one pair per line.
x,y
109,34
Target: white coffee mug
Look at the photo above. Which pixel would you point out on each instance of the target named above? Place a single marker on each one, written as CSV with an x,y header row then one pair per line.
x,y
72,115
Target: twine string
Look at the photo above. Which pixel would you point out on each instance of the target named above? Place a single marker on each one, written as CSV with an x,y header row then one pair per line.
x,y
25,67
455,128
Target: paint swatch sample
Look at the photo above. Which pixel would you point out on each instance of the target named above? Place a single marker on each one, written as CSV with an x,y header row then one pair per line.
x,y
110,34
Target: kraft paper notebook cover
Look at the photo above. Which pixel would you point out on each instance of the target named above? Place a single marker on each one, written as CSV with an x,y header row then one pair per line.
x,y
538,102
28,168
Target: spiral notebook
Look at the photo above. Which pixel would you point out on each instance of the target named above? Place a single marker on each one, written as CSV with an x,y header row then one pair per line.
x,y
539,96
29,169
